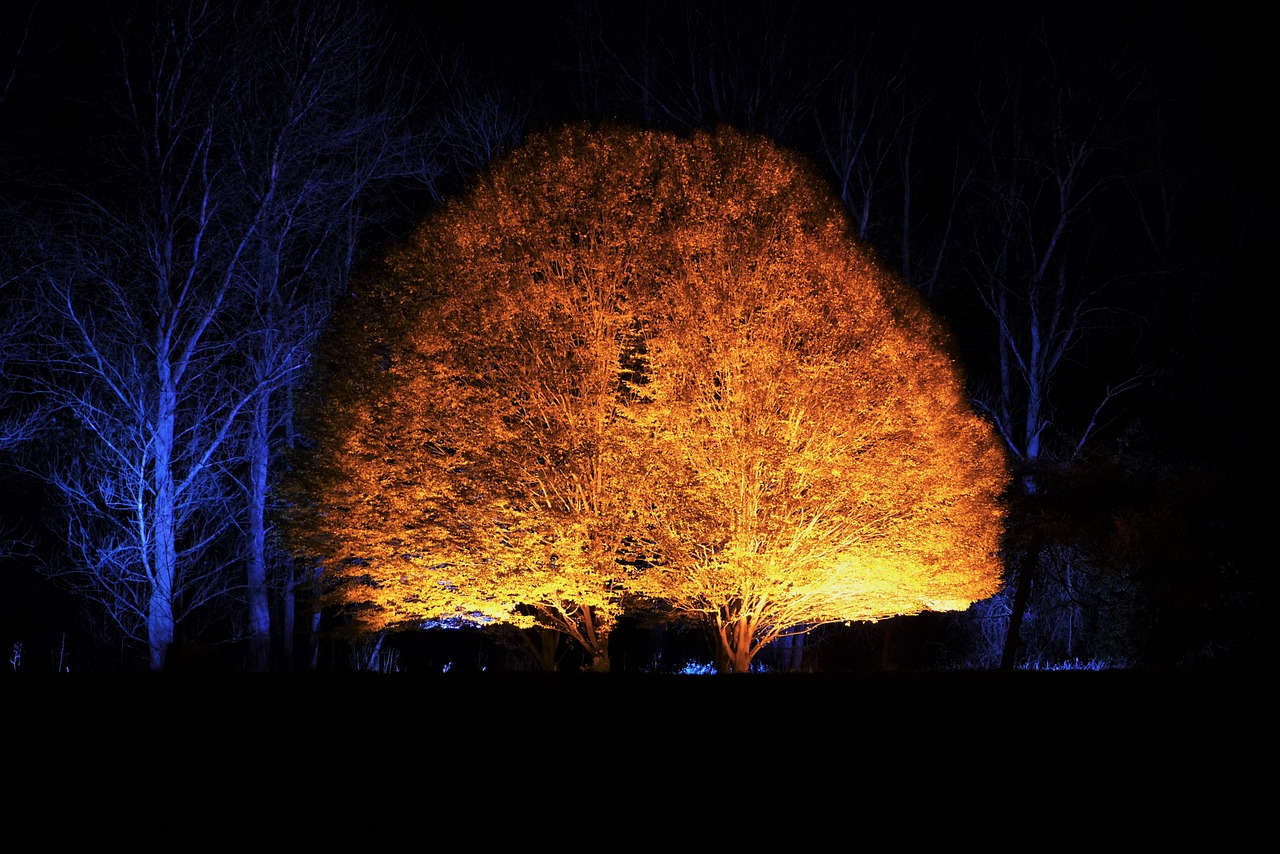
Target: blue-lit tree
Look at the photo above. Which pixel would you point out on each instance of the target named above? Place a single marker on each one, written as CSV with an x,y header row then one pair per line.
x,y
315,141
325,139
157,325
249,144
141,336
1051,188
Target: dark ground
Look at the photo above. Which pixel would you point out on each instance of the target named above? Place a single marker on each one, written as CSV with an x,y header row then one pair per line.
x,y
629,762
1138,708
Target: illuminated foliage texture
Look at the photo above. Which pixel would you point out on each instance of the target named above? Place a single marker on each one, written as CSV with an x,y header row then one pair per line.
x,y
631,369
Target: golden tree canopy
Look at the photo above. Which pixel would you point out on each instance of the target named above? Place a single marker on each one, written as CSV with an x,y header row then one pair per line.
x,y
628,365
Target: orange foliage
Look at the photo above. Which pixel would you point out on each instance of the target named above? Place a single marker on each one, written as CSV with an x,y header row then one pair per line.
x,y
628,366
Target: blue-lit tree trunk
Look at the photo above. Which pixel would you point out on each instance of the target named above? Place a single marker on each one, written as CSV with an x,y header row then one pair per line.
x,y
164,554
257,592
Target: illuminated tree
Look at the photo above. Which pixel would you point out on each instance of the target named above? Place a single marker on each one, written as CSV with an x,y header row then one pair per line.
x,y
629,364
808,408
504,334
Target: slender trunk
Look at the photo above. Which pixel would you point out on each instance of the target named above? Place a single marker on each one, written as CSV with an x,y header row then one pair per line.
x,y
288,616
1021,595
288,607
313,634
258,600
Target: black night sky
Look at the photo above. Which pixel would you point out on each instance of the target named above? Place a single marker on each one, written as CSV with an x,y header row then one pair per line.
x,y
1145,526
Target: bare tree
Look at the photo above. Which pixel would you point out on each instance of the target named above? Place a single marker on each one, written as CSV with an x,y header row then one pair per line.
x,y
1051,137
16,417
860,141
757,67
141,333
250,148
316,139
141,416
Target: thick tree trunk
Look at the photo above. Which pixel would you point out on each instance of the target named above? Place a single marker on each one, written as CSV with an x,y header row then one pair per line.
x,y
596,636
735,647
160,623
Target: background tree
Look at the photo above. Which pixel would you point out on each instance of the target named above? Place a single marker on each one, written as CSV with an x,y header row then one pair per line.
x,y
1052,164
140,337
150,311
317,136
757,66
16,420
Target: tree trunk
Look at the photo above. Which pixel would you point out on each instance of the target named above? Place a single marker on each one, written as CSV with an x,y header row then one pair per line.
x,y
542,644
160,622
596,635
313,641
289,596
888,655
256,569
1021,595
288,616
790,652
735,651
160,616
